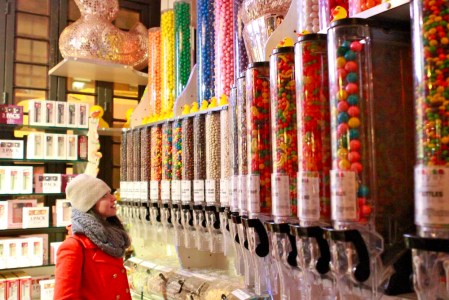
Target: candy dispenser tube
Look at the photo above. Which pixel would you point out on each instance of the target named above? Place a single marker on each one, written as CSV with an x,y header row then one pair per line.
x,y
258,138
145,154
242,145
187,161
234,142
205,50
240,54
167,61
357,6
363,124
136,154
313,115
167,162
123,158
183,47
225,156
213,170
176,161
309,20
224,47
283,133
154,68
156,158
130,155
432,127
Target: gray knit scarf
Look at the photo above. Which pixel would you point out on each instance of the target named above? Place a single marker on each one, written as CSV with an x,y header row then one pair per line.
x,y
108,238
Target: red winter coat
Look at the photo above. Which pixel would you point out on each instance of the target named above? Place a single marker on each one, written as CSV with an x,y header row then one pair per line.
x,y
84,271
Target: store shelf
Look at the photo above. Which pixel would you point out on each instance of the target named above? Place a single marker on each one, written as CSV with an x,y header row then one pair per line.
x,y
395,10
21,231
30,267
32,194
109,131
54,161
8,127
98,70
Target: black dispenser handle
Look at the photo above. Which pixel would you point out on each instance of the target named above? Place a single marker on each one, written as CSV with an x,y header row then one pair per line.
x,y
263,248
426,244
236,219
362,269
316,232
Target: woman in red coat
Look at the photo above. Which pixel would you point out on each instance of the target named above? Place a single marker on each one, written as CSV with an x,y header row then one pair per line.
x,y
89,263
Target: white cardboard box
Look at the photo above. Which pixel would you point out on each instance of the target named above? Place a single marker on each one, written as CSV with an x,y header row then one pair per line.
x,y
72,115
83,115
3,215
52,183
35,145
11,149
63,212
36,112
49,146
15,211
61,114
49,112
35,217
60,146
47,289
72,146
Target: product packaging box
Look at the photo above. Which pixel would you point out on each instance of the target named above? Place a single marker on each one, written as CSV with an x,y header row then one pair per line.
x,y
35,217
12,286
19,179
83,119
4,172
36,287
3,215
15,211
72,146
52,183
36,113
23,257
72,115
3,252
26,186
25,285
11,149
61,114
11,247
61,147
49,113
35,145
82,147
47,289
63,212
49,146
53,251
11,114
38,248
2,287
38,179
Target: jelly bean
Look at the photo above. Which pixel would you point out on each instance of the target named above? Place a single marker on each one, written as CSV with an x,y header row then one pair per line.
x,y
156,153
187,149
166,157
167,61
177,150
183,48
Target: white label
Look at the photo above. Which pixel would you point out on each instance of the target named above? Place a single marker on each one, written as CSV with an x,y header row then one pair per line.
x,y
241,295
125,193
254,193
165,190
131,190
210,191
198,191
243,196
136,191
224,191
176,190
234,193
431,195
308,196
281,195
154,190
343,195
186,191
144,191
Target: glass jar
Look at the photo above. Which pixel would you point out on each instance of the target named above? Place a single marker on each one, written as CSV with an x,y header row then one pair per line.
x,y
205,50
313,115
167,57
258,137
154,68
187,160
177,168
240,54
224,47
183,47
213,174
357,6
283,133
130,155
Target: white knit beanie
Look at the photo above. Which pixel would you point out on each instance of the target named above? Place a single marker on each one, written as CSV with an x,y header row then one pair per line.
x,y
84,191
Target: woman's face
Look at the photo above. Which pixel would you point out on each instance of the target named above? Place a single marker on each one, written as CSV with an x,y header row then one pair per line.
x,y
105,207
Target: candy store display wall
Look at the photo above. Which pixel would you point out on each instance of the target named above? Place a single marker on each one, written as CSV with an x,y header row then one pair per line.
x,y
294,176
